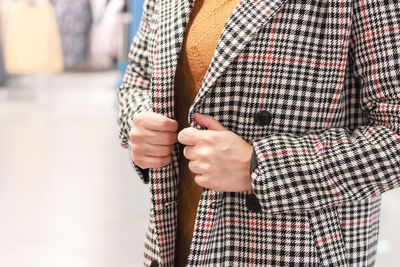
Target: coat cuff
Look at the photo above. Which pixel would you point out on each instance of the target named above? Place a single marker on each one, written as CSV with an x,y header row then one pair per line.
x,y
253,163
253,166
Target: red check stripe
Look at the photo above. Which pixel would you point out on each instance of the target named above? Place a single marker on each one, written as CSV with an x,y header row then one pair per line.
x,y
376,33
163,72
349,140
328,238
272,58
360,222
141,82
311,150
390,106
255,223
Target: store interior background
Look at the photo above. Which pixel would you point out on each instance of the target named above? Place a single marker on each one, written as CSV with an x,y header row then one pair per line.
x,y
68,193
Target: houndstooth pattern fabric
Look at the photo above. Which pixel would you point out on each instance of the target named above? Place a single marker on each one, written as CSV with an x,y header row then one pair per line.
x,y
328,72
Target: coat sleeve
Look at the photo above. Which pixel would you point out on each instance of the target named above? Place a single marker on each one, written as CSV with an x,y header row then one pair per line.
x,y
335,165
134,93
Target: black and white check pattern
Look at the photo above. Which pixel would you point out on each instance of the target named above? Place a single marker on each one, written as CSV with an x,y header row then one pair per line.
x,y
329,73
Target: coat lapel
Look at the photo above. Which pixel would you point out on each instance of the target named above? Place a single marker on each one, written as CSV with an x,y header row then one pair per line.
x,y
173,17
246,19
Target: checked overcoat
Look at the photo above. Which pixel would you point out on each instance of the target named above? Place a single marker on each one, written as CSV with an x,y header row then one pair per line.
x,y
314,86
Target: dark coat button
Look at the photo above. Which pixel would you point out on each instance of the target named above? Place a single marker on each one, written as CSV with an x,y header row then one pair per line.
x,y
262,118
154,263
252,203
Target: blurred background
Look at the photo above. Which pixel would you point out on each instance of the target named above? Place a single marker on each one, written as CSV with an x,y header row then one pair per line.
x,y
68,194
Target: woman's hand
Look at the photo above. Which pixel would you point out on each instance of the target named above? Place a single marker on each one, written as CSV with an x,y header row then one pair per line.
x,y
152,138
220,158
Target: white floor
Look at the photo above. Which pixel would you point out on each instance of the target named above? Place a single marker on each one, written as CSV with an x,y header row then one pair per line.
x,y
68,195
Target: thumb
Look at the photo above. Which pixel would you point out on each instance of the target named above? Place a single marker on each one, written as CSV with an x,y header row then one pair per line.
x,y
209,122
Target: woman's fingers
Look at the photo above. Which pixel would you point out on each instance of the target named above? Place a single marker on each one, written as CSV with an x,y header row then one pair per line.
x,y
152,139
160,138
151,162
152,150
155,122
145,136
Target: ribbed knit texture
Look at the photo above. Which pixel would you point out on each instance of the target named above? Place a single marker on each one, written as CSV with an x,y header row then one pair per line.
x,y
204,28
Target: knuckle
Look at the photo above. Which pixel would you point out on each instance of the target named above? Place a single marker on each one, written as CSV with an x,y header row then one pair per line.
x,y
200,180
172,138
132,137
206,167
135,135
138,161
134,159
164,124
175,125
136,120
179,136
204,137
212,184
190,165
147,163
205,153
134,148
208,137
132,132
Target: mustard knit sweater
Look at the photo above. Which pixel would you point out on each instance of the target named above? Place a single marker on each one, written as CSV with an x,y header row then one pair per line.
x,y
204,28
